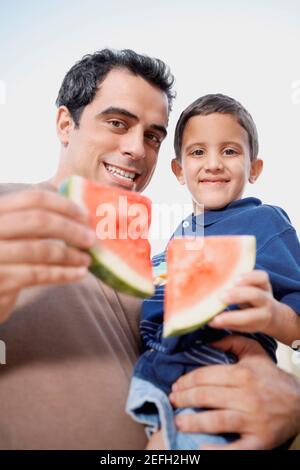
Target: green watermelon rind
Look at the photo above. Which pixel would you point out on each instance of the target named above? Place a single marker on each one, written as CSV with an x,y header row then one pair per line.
x,y
72,188
195,317
100,269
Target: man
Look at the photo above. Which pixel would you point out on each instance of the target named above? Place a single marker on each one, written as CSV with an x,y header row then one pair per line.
x,y
71,346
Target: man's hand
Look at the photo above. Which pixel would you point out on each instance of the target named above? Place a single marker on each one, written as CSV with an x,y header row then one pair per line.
x,y
253,398
35,229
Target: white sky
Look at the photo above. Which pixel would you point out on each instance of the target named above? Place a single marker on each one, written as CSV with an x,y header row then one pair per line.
x,y
249,51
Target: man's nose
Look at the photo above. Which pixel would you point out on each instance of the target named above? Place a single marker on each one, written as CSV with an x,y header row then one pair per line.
x,y
133,145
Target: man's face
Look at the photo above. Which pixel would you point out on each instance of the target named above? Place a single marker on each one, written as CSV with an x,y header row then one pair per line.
x,y
120,133
215,160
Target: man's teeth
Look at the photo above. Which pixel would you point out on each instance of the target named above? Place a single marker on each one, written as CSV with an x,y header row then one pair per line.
x,y
125,174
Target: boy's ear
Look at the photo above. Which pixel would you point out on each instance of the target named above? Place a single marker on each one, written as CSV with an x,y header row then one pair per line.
x,y
64,125
177,170
256,169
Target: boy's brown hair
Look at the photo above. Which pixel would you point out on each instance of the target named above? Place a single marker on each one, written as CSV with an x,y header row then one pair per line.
x,y
217,103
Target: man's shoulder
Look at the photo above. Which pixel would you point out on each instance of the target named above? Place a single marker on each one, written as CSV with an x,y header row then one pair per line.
x,y
6,188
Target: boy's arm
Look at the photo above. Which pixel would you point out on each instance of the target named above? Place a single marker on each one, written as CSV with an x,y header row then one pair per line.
x,y
260,311
156,441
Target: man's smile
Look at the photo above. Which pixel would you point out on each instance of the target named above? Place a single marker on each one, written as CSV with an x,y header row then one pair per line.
x,y
123,175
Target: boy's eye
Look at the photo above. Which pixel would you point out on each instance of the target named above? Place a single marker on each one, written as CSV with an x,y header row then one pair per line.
x,y
230,152
198,153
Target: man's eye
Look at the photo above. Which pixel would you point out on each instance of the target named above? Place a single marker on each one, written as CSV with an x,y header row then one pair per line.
x,y
153,138
116,123
198,153
230,152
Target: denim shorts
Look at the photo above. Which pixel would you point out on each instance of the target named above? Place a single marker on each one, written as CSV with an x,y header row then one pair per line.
x,y
149,405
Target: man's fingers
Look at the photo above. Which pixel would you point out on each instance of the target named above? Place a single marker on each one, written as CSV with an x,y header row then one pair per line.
x,y
244,443
38,223
241,347
41,252
227,375
208,397
6,304
211,422
41,199
16,277
217,375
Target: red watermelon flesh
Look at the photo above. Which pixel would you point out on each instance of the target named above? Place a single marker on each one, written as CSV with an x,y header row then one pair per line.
x,y
199,271
121,219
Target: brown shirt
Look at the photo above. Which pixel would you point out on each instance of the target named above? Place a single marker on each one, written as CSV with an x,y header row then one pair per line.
x,y
69,356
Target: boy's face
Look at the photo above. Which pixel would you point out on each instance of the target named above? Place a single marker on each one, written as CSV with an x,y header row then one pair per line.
x,y
215,162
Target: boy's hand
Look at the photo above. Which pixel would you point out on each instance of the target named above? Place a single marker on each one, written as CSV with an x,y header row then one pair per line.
x,y
253,293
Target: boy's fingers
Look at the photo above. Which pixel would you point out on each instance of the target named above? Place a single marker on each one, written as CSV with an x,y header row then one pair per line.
x,y
243,319
244,295
255,278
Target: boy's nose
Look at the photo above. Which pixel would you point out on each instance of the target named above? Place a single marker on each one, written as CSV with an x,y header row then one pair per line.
x,y
213,162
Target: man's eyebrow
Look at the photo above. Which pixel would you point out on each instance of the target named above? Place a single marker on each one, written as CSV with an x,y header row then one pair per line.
x,y
159,128
115,110
126,113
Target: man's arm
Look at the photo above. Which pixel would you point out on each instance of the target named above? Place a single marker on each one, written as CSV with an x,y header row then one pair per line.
x,y
33,225
253,398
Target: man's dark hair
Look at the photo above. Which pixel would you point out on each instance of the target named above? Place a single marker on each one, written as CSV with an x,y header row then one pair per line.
x,y
82,81
217,103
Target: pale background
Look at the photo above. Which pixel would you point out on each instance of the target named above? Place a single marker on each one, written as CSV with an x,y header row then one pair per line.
x,y
249,51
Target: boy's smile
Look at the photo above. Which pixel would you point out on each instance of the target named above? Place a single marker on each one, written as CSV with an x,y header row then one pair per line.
x,y
215,161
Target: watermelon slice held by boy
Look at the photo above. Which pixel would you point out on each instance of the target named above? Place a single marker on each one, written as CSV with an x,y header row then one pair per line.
x,y
200,270
121,219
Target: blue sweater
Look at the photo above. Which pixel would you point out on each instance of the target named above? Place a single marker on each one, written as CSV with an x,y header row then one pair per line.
x,y
278,253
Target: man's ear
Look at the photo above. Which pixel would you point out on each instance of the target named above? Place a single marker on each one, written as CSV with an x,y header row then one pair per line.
x,y
256,169
177,170
64,124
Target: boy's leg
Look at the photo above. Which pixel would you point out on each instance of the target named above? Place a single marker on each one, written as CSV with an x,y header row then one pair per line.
x,y
156,441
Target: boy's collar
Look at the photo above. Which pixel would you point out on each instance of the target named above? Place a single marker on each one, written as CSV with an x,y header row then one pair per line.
x,y
212,216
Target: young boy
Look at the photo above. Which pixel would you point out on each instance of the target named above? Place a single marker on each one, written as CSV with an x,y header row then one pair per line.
x,y
216,148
